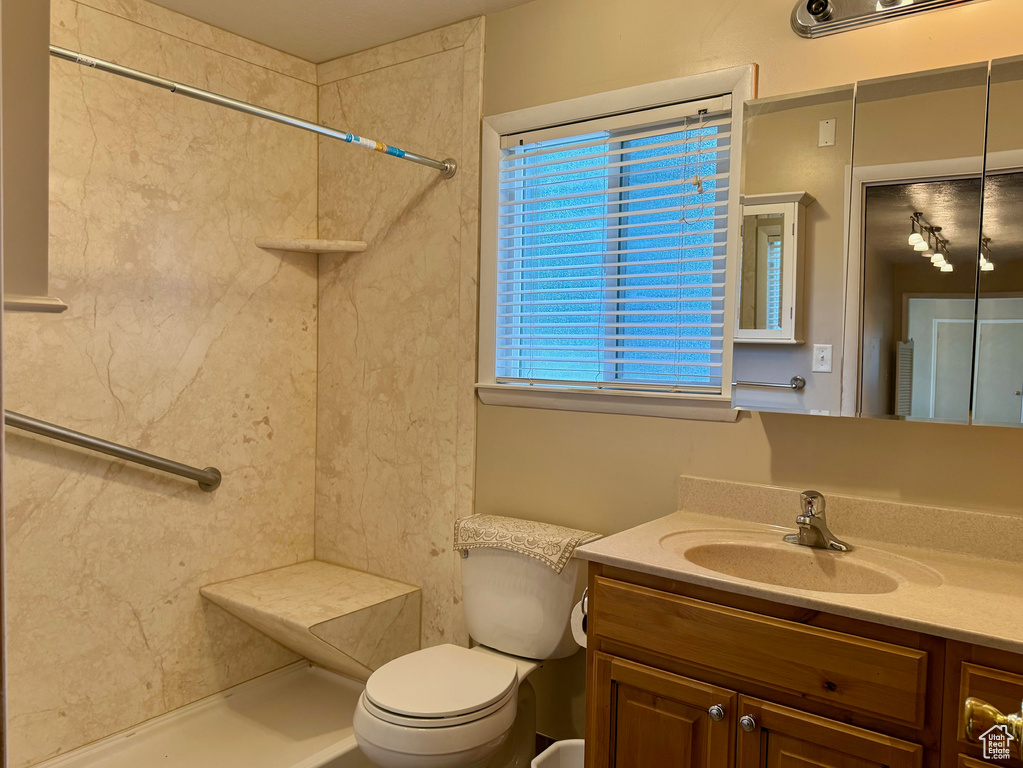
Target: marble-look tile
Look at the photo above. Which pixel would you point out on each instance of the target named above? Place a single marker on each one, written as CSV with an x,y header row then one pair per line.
x,y
169,22
183,339
963,532
106,36
439,40
396,407
349,621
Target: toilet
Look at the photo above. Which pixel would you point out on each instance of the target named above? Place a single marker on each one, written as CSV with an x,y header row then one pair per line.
x,y
453,707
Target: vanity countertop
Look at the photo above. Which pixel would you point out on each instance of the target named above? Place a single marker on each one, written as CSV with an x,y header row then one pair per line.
x,y
958,595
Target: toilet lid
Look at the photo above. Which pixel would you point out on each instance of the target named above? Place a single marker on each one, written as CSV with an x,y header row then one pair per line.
x,y
443,681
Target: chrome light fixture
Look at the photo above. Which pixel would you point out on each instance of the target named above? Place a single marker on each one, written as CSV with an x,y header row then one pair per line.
x,y
817,18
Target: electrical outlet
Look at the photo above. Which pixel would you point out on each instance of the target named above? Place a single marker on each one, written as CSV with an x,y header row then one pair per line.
x,y
827,133
822,358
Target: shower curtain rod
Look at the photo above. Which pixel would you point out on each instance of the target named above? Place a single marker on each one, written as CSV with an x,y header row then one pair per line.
x,y
446,167
208,479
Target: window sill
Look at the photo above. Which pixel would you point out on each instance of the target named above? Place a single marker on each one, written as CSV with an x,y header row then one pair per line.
x,y
692,407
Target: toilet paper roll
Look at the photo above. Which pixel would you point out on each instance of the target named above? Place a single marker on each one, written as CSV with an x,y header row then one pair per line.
x,y
578,627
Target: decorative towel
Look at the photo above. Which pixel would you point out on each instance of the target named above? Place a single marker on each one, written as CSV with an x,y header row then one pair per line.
x,y
550,544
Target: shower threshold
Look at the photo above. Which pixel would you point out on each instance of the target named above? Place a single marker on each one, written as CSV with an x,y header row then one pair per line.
x,y
296,717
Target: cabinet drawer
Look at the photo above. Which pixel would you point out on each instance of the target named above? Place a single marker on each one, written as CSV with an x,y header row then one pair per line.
x,y
1003,690
856,674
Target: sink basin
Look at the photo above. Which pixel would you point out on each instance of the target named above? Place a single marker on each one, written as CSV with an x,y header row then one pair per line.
x,y
762,557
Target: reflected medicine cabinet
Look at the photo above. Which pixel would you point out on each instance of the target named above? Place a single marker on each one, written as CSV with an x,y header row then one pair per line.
x,y
768,309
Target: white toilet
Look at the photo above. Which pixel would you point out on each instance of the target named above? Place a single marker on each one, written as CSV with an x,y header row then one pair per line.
x,y
451,707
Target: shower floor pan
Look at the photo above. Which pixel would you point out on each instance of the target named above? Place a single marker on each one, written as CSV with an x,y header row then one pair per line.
x,y
296,717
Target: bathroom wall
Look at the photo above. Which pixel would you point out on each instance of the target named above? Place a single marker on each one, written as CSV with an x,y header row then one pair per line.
x,y
606,472
182,339
397,339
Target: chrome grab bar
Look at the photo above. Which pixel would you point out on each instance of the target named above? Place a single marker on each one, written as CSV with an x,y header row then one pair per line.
x,y
797,383
208,479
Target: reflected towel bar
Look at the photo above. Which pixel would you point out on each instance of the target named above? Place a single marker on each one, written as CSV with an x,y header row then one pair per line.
x,y
797,383
446,167
208,479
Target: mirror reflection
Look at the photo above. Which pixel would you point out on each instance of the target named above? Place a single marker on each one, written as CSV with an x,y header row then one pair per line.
x,y
917,193
763,243
998,357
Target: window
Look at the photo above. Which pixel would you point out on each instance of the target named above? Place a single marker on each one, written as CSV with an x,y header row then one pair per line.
x,y
606,244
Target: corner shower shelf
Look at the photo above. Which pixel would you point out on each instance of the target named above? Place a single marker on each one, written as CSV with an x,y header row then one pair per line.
x,y
310,246
346,620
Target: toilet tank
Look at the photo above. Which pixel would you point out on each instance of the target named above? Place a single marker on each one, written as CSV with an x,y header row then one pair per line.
x,y
516,604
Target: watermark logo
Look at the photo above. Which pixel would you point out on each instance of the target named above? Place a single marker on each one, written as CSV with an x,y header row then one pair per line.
x,y
996,742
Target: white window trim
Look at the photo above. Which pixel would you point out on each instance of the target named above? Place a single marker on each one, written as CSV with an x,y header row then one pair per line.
x,y
740,83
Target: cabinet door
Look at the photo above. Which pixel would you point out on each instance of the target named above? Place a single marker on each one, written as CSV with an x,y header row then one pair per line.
x,y
779,737
646,718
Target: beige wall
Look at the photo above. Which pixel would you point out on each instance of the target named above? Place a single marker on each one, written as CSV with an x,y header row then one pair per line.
x,y
182,339
610,472
550,50
607,473
397,412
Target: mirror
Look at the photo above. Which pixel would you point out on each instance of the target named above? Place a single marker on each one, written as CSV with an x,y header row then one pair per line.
x,y
998,354
763,240
917,181
794,142
771,269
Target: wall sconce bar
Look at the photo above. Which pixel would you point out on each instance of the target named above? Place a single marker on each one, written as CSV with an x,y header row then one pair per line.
x,y
818,18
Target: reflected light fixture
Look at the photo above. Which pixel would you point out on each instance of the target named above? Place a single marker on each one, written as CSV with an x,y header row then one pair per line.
x,y
986,265
915,237
947,267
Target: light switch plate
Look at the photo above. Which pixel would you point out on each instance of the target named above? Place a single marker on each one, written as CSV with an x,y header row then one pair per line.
x,y
827,133
822,358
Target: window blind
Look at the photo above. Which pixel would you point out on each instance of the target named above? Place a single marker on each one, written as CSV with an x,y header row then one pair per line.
x,y
612,251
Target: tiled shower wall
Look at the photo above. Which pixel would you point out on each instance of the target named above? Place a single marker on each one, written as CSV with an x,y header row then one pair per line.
x,y
182,339
396,414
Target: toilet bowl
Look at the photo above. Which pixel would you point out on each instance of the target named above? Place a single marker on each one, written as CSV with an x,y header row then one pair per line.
x,y
442,707
453,707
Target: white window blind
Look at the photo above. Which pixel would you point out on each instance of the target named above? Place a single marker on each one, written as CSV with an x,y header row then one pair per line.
x,y
611,251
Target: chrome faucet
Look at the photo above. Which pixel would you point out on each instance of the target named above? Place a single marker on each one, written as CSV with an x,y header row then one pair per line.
x,y
813,525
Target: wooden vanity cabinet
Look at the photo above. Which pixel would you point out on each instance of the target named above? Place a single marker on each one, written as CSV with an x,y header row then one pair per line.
x,y
993,676
798,688
660,719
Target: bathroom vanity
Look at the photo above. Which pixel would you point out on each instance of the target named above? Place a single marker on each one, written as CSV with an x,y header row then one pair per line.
x,y
870,664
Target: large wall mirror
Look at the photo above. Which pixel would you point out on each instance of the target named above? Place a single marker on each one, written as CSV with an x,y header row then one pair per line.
x,y
932,324
918,166
797,151
998,353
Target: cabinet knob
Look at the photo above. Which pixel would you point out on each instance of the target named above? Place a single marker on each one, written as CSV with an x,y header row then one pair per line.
x,y
979,718
717,713
748,723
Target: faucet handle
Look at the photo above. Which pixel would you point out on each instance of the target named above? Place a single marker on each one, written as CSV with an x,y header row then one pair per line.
x,y
812,503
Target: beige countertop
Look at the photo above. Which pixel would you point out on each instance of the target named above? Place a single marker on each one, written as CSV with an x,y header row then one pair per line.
x,y
959,595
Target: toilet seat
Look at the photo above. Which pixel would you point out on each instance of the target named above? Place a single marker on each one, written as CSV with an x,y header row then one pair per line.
x,y
441,685
479,736
435,722
444,701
